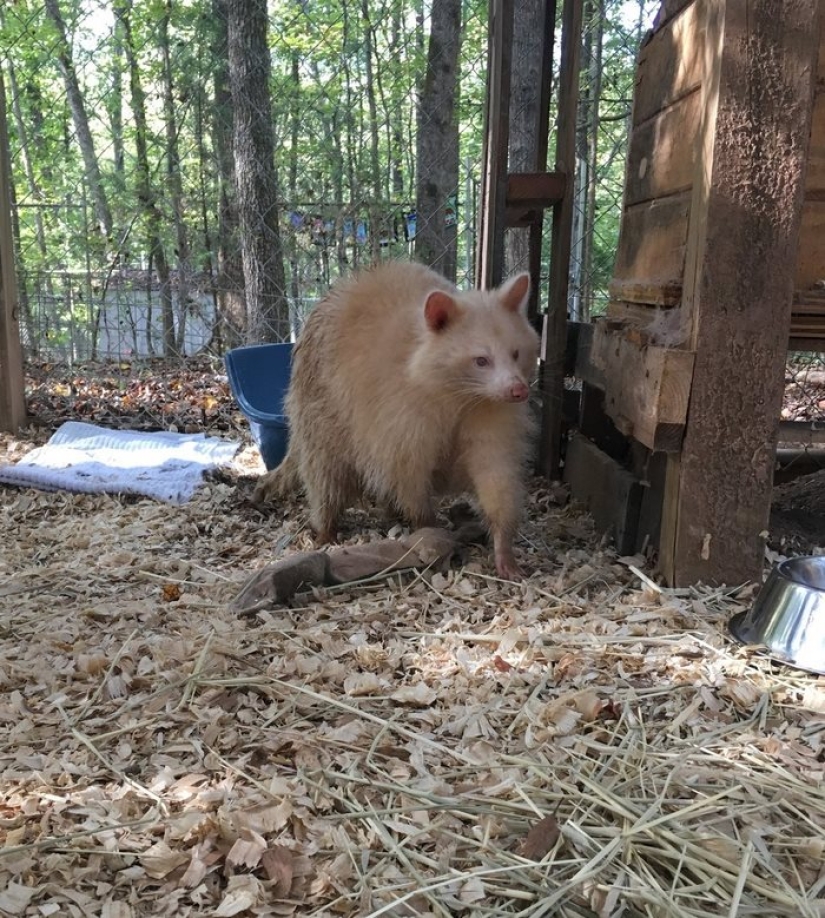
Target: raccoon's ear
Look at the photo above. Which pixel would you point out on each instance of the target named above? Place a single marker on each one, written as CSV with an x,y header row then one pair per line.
x,y
515,292
440,310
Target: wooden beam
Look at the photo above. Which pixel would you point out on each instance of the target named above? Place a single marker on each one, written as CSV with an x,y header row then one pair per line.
x,y
529,194
647,386
804,432
554,338
490,252
739,279
534,245
12,392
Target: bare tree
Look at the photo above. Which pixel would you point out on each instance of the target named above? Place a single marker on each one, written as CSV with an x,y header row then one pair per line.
x,y
437,147
174,180
255,179
81,121
232,318
147,195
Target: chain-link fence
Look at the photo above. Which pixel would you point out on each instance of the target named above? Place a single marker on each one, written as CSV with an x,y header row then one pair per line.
x,y
612,33
120,119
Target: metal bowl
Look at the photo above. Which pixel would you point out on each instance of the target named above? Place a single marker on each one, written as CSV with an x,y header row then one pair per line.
x,y
788,615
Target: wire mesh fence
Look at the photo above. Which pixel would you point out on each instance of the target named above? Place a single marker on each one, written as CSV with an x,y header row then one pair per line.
x,y
125,151
124,147
121,131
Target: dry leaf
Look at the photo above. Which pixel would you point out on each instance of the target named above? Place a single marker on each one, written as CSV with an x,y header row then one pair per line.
x,y
501,665
589,705
171,592
246,852
418,694
362,684
15,898
160,860
277,861
472,891
540,839
242,893
112,909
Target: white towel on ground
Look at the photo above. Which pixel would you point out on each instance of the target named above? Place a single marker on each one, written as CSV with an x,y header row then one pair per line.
x,y
83,457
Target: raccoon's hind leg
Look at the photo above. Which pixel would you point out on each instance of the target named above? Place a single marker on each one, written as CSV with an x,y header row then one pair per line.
x,y
283,481
332,486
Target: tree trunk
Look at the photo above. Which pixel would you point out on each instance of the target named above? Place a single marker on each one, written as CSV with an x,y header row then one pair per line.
x,y
437,146
174,182
114,105
525,95
594,80
377,215
255,180
349,108
147,196
233,317
81,123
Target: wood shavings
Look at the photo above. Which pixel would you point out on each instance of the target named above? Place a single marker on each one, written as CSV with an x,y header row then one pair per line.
x,y
391,748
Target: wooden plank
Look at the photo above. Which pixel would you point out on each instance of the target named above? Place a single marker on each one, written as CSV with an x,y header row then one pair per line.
x,y
821,55
650,294
807,345
641,314
554,338
815,181
672,64
597,426
667,10
611,494
810,256
661,157
647,386
651,253
12,392
650,513
529,194
809,302
739,282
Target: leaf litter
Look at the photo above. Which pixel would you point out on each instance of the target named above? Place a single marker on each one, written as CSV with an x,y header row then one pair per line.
x,y
584,743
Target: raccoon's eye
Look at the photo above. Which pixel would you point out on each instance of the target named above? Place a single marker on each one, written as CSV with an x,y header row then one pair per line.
x,y
515,355
482,361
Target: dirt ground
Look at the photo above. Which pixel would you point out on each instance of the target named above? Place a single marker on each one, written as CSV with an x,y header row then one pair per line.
x,y
582,743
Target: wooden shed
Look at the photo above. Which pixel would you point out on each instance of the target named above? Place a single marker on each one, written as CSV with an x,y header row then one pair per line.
x,y
719,272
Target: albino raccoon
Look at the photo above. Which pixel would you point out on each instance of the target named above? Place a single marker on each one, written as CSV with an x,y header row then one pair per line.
x,y
405,388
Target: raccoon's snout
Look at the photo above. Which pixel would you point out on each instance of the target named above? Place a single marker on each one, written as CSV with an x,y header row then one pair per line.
x,y
518,392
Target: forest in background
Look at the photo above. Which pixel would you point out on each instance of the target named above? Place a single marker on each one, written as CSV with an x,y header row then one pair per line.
x,y
194,174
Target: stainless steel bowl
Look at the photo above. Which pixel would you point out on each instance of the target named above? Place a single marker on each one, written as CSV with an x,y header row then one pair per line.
x,y
788,615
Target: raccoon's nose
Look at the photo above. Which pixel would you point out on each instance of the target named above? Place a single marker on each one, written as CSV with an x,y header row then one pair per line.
x,y
519,392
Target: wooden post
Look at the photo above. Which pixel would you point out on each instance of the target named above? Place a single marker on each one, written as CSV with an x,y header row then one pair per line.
x,y
554,339
739,276
490,251
543,128
12,393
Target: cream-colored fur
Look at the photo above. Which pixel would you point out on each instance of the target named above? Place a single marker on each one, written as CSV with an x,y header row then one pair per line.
x,y
406,388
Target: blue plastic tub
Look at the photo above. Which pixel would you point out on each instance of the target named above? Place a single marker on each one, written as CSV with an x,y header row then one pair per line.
x,y
259,378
